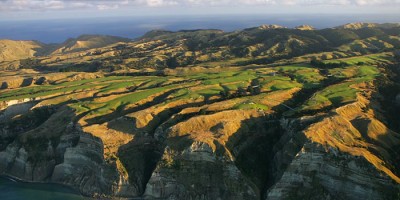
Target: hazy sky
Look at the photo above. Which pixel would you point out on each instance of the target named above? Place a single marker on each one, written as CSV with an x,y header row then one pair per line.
x,y
50,9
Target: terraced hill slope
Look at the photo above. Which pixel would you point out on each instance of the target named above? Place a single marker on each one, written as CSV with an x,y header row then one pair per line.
x,y
321,125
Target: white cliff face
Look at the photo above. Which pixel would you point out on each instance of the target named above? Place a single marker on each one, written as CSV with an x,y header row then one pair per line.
x,y
83,165
319,173
76,160
199,151
8,156
197,173
125,189
15,161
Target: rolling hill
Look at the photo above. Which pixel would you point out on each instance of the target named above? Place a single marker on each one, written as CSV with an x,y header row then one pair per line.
x,y
85,42
11,50
261,113
265,44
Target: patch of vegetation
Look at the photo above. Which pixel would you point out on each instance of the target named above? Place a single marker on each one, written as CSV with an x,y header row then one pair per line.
x,y
250,105
345,92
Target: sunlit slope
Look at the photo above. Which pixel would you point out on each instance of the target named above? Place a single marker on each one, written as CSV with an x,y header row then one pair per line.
x,y
86,42
360,25
233,120
265,44
11,50
260,113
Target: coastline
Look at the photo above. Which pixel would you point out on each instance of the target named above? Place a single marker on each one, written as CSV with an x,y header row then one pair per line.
x,y
71,190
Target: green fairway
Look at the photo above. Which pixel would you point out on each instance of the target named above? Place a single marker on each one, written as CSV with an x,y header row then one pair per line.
x,y
104,95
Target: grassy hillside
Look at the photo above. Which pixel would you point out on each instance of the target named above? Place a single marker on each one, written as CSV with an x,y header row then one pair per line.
x,y
15,50
265,44
189,106
262,88
85,42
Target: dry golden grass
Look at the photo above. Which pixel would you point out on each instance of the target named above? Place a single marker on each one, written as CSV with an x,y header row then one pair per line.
x,y
219,126
275,98
112,139
353,130
14,50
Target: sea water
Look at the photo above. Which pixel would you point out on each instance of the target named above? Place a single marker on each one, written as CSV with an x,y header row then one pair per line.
x,y
58,30
16,190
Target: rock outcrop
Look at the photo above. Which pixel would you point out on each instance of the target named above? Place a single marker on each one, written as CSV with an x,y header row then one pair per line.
x,y
320,173
82,165
198,173
305,28
67,156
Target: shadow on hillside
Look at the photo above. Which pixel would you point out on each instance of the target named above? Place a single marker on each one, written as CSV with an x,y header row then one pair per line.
x,y
17,109
27,82
252,146
140,157
120,111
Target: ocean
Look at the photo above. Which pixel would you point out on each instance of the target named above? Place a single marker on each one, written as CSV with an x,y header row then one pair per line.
x,y
58,30
17,190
